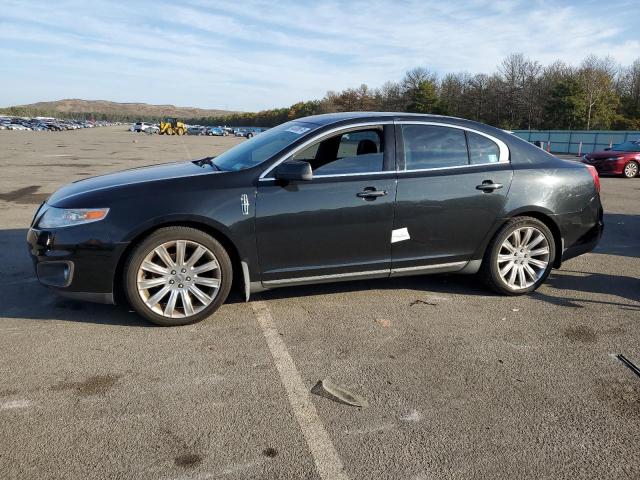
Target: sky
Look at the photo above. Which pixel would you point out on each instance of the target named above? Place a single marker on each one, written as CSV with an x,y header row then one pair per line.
x,y
252,54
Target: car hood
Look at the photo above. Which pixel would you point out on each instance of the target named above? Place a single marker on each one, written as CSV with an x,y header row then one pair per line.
x,y
604,154
127,177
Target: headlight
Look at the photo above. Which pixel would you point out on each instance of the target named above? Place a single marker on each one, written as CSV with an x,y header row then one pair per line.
x,y
67,217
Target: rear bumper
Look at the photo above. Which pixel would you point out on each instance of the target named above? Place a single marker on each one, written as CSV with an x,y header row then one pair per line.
x,y
581,231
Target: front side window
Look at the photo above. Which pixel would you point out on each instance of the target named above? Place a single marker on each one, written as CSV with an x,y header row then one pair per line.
x,y
430,146
481,149
360,151
262,147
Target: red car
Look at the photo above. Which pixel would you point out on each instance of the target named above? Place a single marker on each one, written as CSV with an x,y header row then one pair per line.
x,y
622,159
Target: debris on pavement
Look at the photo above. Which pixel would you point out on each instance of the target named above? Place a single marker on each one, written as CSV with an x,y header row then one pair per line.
x,y
270,452
413,416
422,302
628,363
383,322
328,389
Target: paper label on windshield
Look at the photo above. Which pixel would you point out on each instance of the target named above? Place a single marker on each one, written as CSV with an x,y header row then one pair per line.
x,y
298,130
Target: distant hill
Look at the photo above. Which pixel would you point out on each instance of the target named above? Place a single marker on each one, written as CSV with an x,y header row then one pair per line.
x,y
103,108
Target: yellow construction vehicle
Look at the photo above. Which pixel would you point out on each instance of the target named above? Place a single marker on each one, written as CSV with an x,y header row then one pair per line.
x,y
172,126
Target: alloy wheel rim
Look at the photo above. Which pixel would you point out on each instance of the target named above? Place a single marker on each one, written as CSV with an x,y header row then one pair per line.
x,y
631,169
178,279
523,258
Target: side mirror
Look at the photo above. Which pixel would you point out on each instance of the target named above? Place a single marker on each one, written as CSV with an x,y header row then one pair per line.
x,y
294,170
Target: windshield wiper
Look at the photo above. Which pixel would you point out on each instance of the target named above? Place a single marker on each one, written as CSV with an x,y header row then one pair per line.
x,y
207,161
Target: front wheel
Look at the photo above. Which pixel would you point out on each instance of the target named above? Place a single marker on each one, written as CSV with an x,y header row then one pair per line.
x,y
520,257
180,131
630,169
178,276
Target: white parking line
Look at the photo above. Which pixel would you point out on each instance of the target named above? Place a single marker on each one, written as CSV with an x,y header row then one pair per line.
x,y
15,404
324,454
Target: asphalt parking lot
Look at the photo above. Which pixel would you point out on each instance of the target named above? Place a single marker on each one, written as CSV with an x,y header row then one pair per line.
x,y
461,383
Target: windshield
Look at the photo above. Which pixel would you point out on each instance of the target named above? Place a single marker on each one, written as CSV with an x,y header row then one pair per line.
x,y
261,147
627,147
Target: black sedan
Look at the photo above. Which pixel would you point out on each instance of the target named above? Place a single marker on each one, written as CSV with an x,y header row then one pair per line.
x,y
326,198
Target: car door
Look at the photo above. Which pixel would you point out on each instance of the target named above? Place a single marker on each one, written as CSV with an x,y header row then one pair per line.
x,y
452,187
337,225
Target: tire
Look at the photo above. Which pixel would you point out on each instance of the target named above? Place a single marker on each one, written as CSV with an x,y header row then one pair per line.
x,y
249,135
631,169
180,131
535,268
170,294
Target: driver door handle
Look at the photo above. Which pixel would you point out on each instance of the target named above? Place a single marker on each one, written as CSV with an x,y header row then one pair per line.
x,y
488,186
370,193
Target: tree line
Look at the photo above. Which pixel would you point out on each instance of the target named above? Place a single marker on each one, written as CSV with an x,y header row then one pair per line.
x,y
521,94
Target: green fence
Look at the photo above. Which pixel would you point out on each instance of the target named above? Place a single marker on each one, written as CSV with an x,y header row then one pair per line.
x,y
568,141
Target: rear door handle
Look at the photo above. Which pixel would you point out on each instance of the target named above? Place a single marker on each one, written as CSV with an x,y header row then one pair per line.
x,y
488,186
370,193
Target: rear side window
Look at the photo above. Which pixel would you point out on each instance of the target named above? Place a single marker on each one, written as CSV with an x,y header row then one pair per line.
x,y
430,146
482,150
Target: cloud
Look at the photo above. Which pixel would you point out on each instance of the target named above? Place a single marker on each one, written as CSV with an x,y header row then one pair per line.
x,y
261,54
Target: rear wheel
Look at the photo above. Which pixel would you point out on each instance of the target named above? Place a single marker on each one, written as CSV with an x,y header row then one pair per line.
x,y
180,131
520,257
178,276
630,169
169,131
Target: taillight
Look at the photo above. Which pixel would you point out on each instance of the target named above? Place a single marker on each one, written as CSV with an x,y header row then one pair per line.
x,y
596,177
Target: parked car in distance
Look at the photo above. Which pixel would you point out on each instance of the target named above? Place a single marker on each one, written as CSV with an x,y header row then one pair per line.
x,y
246,132
17,126
622,159
140,126
343,196
251,133
215,131
42,124
196,130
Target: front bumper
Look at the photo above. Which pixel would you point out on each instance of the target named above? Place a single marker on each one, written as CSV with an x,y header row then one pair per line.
x,y
78,262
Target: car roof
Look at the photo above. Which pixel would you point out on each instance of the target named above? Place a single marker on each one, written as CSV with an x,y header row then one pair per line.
x,y
329,118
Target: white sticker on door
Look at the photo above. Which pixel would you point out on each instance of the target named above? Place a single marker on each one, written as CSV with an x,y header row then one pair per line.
x,y
399,235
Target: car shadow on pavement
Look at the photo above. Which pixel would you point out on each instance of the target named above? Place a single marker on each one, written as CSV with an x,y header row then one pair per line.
x,y
563,282
23,297
621,235
595,283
